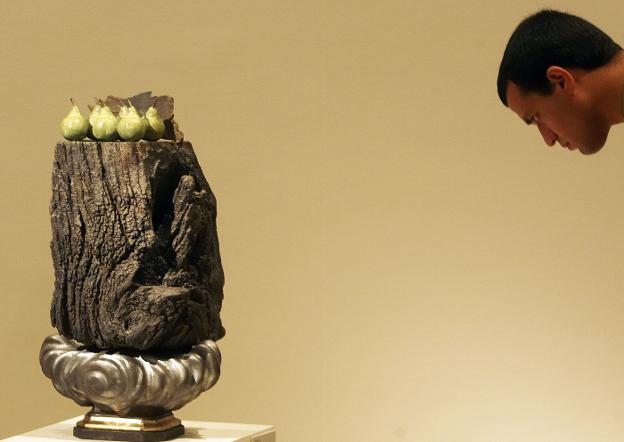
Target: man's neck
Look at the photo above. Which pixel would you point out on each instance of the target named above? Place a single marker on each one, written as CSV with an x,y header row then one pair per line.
x,y
615,74
622,99
606,87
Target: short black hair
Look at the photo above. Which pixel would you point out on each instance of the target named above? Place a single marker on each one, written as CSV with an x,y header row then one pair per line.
x,y
551,38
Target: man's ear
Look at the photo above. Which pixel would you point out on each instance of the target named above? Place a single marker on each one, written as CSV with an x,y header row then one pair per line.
x,y
561,77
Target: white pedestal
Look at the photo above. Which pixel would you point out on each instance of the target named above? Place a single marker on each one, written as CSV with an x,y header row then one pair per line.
x,y
194,431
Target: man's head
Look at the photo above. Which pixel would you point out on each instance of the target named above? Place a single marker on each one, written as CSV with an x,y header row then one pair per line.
x,y
543,77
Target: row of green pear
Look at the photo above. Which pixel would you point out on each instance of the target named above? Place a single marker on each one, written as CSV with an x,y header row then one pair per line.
x,y
104,125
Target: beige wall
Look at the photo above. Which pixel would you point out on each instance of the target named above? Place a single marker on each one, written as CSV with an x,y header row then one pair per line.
x,y
404,259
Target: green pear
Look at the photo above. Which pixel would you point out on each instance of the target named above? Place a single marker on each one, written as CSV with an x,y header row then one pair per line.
x,y
123,111
74,126
155,127
104,125
131,126
92,116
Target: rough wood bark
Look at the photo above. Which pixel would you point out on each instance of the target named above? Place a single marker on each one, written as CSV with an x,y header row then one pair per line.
x,y
134,245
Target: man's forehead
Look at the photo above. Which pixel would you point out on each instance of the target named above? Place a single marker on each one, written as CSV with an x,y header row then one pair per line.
x,y
518,101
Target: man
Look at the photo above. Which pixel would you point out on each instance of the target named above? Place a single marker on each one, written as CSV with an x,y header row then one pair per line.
x,y
566,76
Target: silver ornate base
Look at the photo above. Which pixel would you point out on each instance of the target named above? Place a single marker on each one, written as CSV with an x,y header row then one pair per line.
x,y
132,394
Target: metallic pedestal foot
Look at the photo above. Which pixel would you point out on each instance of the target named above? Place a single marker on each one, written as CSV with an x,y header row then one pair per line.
x,y
108,427
132,394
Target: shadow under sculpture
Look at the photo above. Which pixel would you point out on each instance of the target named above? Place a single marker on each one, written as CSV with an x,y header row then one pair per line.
x,y
137,272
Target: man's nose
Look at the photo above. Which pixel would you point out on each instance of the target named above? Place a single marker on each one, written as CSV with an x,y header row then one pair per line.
x,y
549,136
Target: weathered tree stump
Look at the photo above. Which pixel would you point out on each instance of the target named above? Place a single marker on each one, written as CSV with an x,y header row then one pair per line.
x,y
134,245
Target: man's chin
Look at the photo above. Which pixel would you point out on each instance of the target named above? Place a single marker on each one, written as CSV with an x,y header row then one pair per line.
x,y
591,149
596,143
586,151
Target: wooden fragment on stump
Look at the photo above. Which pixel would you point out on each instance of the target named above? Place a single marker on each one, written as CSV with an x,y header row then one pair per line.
x,y
162,103
134,245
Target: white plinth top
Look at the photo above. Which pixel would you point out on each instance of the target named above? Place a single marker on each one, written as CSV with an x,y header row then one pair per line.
x,y
195,431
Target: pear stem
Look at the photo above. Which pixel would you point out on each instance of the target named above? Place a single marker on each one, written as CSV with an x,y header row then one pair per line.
x,y
72,102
